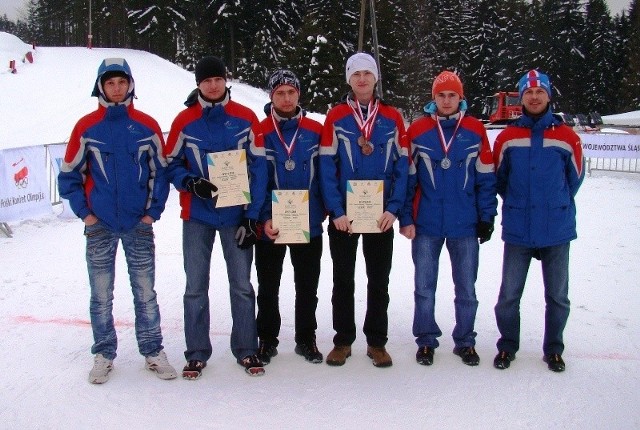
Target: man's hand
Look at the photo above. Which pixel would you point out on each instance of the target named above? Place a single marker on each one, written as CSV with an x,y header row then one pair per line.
x,y
342,223
408,231
386,221
247,233
201,188
272,233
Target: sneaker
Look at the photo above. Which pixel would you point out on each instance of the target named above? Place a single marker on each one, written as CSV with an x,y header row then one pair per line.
x,y
193,369
468,354
266,351
99,374
503,360
424,355
554,362
338,355
379,356
309,351
161,366
252,365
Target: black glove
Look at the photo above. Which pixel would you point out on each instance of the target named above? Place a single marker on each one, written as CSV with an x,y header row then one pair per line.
x,y
484,230
247,233
201,188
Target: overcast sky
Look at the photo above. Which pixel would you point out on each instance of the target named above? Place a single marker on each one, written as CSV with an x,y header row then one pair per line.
x,y
13,8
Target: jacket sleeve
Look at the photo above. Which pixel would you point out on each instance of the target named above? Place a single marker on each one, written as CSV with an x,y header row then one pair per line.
x,y
158,182
400,170
177,169
72,177
575,165
406,216
257,169
486,181
329,171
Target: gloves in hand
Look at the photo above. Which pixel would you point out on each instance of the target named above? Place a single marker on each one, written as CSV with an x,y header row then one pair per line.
x,y
201,188
247,233
484,230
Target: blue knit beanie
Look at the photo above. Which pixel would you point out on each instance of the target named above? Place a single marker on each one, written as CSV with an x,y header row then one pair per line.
x,y
532,79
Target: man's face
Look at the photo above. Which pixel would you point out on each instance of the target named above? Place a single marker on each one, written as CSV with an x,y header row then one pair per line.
x,y
535,100
447,102
213,88
362,83
285,99
116,89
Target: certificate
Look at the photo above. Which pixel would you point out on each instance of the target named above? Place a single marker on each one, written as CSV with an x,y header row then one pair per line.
x,y
228,172
290,215
365,205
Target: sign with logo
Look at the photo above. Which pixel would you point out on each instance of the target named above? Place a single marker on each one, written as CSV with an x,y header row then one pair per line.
x,y
24,191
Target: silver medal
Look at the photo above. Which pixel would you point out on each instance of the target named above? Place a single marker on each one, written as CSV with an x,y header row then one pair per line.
x,y
445,163
289,164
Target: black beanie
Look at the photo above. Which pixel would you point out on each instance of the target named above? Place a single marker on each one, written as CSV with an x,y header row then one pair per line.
x,y
210,67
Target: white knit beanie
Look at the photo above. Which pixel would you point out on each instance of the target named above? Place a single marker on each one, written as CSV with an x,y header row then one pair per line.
x,y
359,62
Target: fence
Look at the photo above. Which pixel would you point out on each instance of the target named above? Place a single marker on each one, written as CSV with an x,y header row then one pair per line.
x,y
630,165
52,177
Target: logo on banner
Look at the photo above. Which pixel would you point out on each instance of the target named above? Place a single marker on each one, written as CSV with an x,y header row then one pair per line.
x,y
21,176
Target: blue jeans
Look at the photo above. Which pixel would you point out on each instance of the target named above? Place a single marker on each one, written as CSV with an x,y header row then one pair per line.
x,y
197,245
555,274
139,250
463,252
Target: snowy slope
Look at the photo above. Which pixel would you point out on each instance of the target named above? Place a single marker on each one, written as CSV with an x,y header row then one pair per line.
x,y
46,336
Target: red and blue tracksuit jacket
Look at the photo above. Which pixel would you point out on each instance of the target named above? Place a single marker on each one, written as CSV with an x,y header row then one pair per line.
x,y
305,156
449,202
114,167
204,128
341,159
540,168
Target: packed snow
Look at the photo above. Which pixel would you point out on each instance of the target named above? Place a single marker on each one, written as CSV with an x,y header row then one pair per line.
x,y
44,300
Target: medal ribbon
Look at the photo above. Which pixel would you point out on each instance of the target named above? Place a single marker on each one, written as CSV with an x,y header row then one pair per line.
x,y
447,145
288,147
365,126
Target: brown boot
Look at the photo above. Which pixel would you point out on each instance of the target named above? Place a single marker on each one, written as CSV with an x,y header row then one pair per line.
x,y
379,356
338,355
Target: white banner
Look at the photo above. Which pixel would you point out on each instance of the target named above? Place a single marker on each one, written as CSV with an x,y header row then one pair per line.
x,y
24,191
610,145
56,154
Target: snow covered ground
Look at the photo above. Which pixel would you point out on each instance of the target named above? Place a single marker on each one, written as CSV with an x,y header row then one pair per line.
x,y
46,333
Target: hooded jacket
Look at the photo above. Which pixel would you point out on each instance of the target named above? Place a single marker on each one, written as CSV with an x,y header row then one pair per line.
x,y
540,168
341,159
114,166
304,153
449,202
203,128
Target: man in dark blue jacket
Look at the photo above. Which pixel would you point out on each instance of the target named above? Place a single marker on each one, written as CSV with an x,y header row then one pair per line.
x,y
213,124
451,199
291,142
113,175
540,168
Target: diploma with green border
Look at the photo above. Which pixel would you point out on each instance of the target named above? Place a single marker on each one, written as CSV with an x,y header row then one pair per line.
x,y
228,172
365,205
290,215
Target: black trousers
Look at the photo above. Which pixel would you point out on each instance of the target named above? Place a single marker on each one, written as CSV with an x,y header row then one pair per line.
x,y
378,251
305,259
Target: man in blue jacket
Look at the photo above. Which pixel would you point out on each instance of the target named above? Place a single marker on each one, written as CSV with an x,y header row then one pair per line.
x,y
540,168
451,198
362,139
113,175
213,123
291,142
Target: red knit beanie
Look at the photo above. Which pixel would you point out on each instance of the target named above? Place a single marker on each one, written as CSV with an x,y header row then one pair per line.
x,y
447,81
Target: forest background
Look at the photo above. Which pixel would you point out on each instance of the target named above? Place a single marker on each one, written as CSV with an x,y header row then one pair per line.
x,y
592,57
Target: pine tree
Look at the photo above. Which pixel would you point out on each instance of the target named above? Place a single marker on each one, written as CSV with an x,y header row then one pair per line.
x,y
630,85
598,48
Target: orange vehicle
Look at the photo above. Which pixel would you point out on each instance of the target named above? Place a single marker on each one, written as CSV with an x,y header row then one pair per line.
x,y
501,107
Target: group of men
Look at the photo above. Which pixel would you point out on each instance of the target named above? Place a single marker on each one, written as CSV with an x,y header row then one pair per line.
x,y
439,178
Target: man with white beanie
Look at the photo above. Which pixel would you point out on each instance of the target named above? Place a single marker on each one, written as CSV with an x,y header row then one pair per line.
x,y
362,139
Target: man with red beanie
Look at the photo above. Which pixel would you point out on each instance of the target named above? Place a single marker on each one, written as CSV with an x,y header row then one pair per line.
x,y
213,123
451,199
540,168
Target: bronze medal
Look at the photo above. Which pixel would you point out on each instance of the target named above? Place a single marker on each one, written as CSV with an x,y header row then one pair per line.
x,y
365,147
